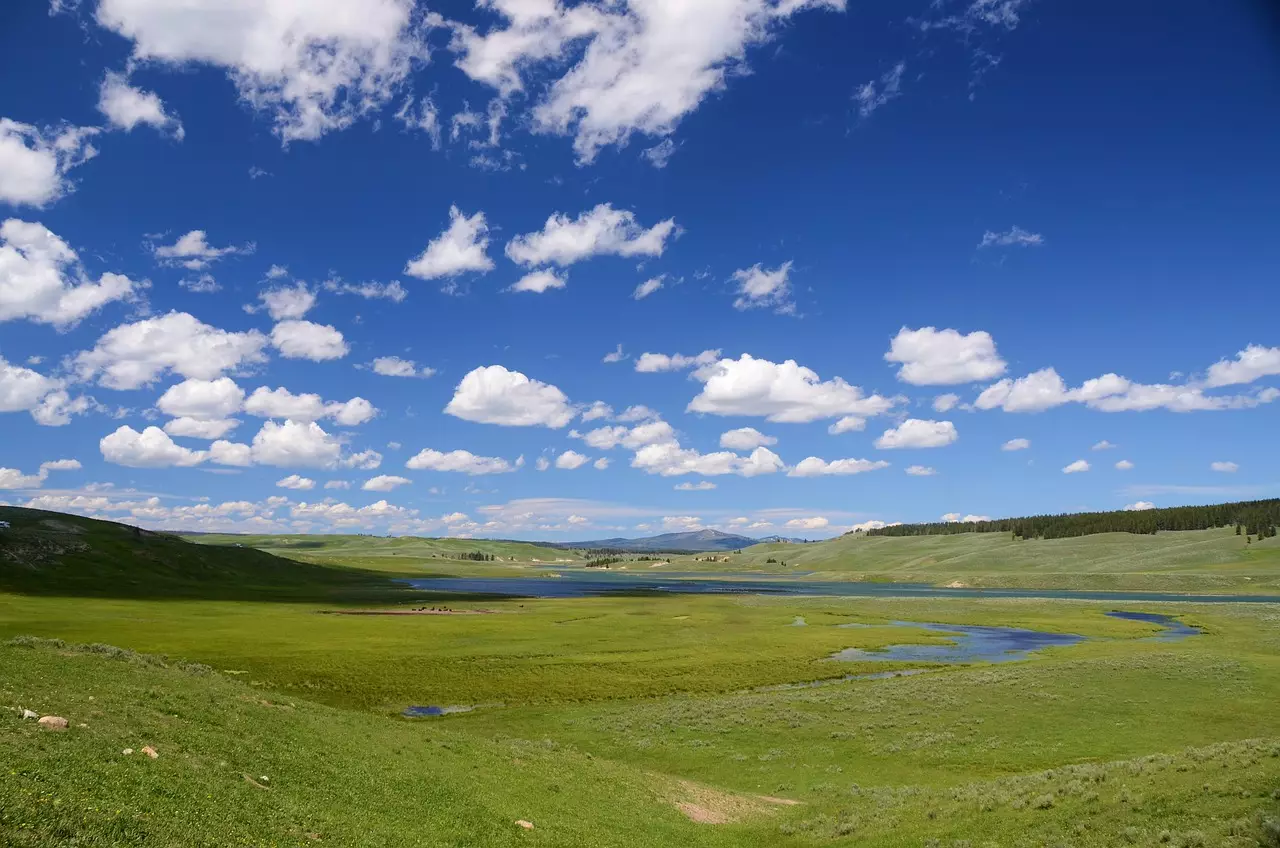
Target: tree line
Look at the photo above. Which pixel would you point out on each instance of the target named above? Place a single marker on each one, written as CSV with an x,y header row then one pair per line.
x,y
1250,518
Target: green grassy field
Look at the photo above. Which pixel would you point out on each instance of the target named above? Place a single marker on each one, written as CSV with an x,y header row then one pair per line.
x,y
627,721
1188,561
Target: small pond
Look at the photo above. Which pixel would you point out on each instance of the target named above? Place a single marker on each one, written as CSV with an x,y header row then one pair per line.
x,y
432,711
970,643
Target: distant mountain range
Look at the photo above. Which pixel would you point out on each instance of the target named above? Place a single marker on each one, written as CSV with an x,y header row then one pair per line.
x,y
696,541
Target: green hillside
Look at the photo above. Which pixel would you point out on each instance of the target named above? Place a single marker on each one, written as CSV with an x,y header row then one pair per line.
x,y
404,555
50,553
1191,560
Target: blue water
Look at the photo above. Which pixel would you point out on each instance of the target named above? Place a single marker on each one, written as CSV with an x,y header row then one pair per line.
x,y
1173,629
578,585
432,711
971,643
974,643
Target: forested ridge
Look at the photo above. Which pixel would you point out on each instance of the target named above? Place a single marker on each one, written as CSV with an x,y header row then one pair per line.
x,y
1250,518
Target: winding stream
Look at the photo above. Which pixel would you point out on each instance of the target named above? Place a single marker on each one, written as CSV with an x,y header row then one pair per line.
x,y
575,585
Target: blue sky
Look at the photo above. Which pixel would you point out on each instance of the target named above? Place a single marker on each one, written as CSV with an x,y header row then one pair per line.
x,y
319,270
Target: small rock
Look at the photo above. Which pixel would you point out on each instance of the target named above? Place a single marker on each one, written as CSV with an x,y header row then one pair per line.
x,y
527,825
265,779
30,714
53,723
151,752
127,751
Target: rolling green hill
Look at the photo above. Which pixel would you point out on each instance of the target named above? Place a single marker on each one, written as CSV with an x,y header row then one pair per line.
x,y
404,555
1190,560
389,546
50,553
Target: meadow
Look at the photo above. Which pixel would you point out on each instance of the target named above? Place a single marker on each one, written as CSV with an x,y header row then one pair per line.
x,y
1190,561
653,720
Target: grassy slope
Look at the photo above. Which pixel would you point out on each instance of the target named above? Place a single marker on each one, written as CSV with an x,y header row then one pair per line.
x,y
49,553
405,555
333,777
1201,560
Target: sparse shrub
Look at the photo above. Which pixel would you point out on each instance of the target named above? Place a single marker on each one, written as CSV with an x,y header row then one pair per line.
x,y
1194,839
1271,832
1131,834
1044,802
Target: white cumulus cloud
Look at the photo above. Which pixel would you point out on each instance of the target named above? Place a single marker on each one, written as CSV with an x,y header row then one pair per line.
x,y
193,251
654,362
312,67
917,433
134,355
200,428
295,444
783,392
394,366
813,466
308,340
1225,467
569,460
126,106
460,461
945,403
294,481
385,483
760,288
639,68
1076,467
202,399
495,395
745,438
602,231
12,478
152,448
541,281
933,357
460,249
1252,363
41,278
34,162
287,302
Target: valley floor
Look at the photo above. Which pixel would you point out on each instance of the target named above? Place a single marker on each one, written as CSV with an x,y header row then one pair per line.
x,y
632,721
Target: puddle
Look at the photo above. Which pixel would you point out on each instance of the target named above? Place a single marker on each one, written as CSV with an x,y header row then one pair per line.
x,y
799,622
425,712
